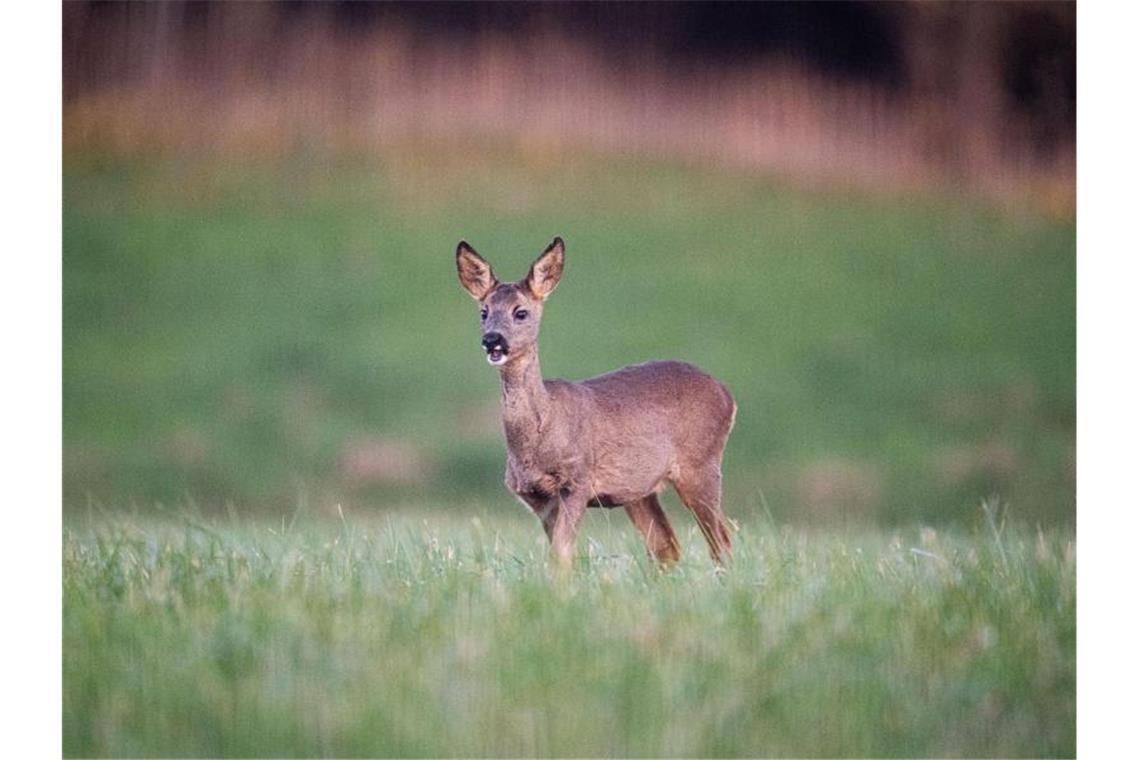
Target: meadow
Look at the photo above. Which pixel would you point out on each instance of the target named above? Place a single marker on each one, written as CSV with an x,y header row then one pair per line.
x,y
444,636
285,530
252,332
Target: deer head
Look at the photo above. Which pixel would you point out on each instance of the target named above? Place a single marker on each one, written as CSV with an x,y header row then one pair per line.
x,y
510,312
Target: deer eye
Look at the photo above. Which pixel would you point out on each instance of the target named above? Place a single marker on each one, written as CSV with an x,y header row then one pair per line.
x,y
520,314
483,313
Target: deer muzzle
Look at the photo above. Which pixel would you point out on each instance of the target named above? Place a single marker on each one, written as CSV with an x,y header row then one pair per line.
x,y
496,347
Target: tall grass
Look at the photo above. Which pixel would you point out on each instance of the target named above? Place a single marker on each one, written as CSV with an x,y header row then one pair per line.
x,y
410,637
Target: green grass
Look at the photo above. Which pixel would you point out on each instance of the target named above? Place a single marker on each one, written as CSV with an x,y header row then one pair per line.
x,y
234,329
444,636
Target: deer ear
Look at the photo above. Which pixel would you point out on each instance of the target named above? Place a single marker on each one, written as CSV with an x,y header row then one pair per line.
x,y
475,273
547,270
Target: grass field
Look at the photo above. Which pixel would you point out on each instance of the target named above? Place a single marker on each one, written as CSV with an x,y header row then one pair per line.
x,y
263,331
256,345
444,636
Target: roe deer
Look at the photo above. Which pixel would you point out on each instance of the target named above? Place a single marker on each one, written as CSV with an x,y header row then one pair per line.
x,y
612,440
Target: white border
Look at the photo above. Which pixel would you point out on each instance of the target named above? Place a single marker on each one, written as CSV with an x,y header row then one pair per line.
x,y
32,375
1107,378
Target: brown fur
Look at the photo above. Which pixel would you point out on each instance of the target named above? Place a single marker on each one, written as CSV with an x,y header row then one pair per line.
x,y
611,440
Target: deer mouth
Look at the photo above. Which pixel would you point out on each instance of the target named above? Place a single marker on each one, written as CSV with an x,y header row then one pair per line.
x,y
497,353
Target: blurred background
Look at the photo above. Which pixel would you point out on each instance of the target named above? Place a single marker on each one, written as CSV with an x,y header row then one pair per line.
x,y
860,216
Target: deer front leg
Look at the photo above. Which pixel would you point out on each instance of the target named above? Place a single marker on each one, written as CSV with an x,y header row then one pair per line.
x,y
561,519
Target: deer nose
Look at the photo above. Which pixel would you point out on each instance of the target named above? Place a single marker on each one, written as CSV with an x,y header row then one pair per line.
x,y
492,339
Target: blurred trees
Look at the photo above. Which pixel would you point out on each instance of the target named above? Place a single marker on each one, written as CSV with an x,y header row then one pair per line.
x,y
981,94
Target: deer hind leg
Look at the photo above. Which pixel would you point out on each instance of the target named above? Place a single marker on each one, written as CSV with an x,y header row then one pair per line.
x,y
699,489
654,526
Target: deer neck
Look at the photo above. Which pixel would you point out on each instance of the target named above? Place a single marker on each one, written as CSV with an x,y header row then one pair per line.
x,y
526,402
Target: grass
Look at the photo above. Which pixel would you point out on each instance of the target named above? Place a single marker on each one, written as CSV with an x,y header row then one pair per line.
x,y
245,333
443,636
236,330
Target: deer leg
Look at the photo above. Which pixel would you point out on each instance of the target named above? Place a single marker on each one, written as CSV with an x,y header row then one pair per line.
x,y
700,491
650,519
561,523
547,514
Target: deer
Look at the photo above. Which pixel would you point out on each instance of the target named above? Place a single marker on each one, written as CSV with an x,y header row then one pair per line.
x,y
608,441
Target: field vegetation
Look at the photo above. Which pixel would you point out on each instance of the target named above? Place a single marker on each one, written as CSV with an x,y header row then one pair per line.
x,y
285,528
443,636
260,334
